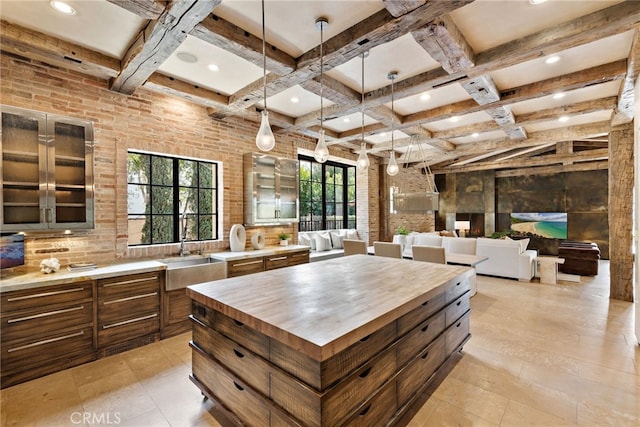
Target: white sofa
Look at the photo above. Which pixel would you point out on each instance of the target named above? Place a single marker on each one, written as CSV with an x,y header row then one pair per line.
x,y
507,258
326,244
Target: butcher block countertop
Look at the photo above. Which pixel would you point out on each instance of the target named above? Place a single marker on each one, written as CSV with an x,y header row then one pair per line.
x,y
322,308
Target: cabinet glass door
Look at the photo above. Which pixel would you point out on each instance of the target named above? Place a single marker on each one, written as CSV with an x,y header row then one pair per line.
x,y
288,186
265,188
23,162
70,172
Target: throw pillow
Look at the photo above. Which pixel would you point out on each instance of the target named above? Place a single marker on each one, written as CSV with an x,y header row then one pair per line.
x,y
304,240
352,234
523,244
336,240
323,242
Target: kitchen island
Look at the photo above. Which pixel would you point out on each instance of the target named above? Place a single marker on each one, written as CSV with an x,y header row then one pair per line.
x,y
349,341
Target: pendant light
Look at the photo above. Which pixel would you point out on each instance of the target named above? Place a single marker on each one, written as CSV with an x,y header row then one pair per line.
x,y
363,160
265,139
321,153
392,167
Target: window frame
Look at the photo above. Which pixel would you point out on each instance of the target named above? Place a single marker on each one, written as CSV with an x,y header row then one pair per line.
x,y
308,225
175,186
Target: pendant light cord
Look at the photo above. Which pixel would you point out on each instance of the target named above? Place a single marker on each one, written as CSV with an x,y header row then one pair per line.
x,y
264,61
393,77
363,55
321,71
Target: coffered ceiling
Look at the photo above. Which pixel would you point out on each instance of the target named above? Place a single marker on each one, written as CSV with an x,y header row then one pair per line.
x,y
474,86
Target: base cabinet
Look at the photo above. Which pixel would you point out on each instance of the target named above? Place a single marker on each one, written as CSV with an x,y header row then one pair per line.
x,y
45,330
261,381
257,264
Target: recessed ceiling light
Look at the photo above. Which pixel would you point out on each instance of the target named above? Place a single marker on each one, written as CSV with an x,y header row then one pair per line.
x,y
534,2
454,119
475,135
425,97
563,119
213,67
552,59
187,57
295,99
346,120
559,95
383,134
63,7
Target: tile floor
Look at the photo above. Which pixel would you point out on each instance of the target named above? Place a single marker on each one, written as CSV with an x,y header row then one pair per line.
x,y
540,355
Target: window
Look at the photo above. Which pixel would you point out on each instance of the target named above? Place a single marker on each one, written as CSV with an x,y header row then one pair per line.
x,y
327,195
171,199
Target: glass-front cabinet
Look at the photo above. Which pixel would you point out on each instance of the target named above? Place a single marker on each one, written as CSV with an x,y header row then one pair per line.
x,y
47,171
271,190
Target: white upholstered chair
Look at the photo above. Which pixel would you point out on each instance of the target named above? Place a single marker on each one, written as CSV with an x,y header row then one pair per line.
x,y
391,250
429,253
354,247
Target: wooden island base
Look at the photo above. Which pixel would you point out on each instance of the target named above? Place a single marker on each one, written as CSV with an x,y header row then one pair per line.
x,y
267,356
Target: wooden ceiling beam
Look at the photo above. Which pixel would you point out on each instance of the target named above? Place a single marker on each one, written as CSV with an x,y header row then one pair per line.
x,y
41,47
158,41
235,40
332,90
401,7
624,110
147,9
555,169
175,87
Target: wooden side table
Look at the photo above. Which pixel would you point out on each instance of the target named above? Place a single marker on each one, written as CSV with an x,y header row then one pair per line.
x,y
548,268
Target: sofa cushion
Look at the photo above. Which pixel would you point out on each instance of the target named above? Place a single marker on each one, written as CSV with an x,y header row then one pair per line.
x,y
305,240
352,234
336,240
427,239
459,245
323,242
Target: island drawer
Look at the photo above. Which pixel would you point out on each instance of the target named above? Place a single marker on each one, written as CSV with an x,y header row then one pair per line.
x,y
245,266
117,288
44,296
457,308
421,368
417,315
299,258
457,333
331,408
235,396
245,365
419,338
457,288
321,375
378,410
276,261
232,329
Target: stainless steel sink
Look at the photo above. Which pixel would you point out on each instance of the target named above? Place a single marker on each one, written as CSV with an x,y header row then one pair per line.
x,y
182,272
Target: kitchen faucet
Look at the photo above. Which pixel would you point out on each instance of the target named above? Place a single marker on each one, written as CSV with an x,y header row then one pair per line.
x,y
184,229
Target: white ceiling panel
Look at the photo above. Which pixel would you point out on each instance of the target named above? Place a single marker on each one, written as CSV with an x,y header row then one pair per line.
x,y
386,137
483,136
428,100
600,116
458,121
348,122
307,102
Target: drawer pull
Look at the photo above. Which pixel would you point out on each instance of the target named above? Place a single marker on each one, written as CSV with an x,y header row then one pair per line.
x,y
237,322
458,303
151,294
365,338
238,386
130,282
365,373
365,410
45,294
458,284
278,258
424,356
425,328
247,263
50,340
425,303
126,322
458,325
237,353
48,313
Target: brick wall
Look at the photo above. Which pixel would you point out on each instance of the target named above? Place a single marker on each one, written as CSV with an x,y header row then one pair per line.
x,y
156,123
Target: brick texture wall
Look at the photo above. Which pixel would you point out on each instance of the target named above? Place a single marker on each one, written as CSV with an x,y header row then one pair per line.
x,y
155,123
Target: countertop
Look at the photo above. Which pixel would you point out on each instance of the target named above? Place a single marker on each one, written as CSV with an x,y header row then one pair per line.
x,y
321,309
268,251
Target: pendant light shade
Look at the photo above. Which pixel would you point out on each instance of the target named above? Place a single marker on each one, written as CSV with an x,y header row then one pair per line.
x,y
265,140
321,153
392,167
363,160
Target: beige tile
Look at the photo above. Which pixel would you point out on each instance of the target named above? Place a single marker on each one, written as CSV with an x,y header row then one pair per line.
x,y
447,415
423,414
99,369
518,414
126,402
591,413
472,399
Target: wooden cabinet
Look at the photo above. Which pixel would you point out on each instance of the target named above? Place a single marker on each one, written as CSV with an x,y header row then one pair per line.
x,y
373,382
45,330
47,171
245,266
128,311
257,264
270,189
